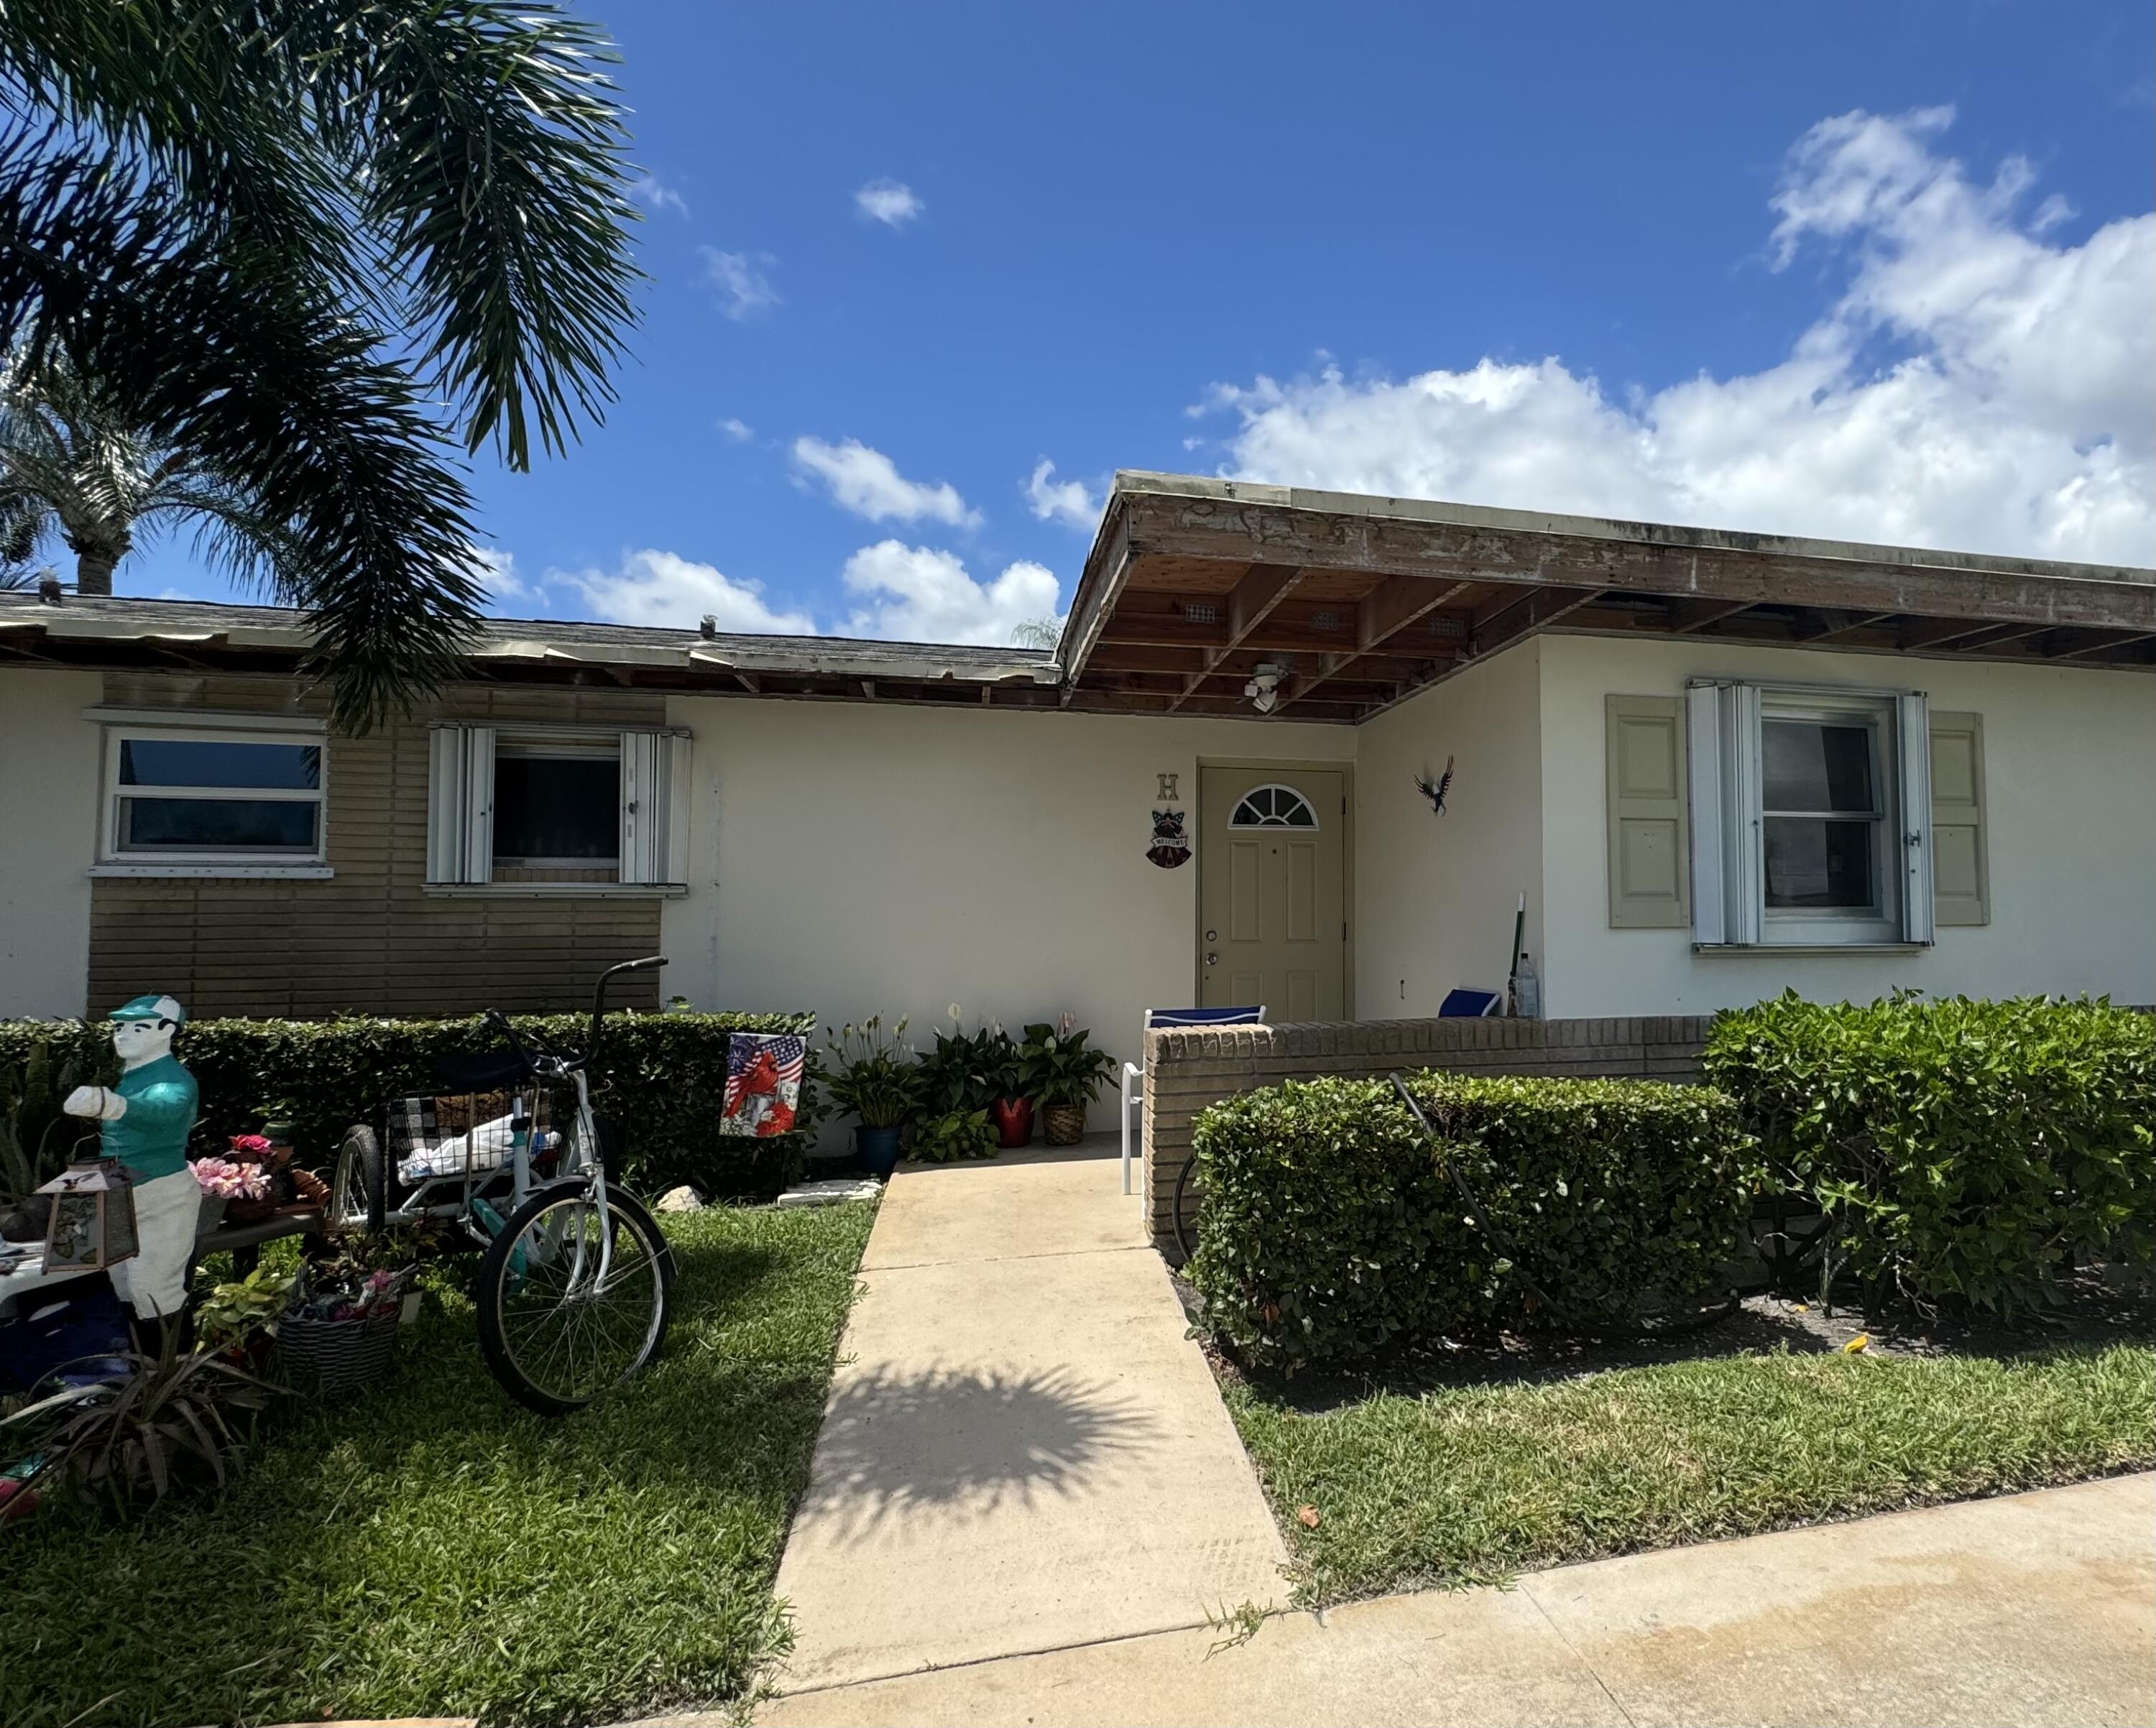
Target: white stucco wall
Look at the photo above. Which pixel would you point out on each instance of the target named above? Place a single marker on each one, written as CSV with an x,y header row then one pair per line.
x,y
49,771
2070,774
855,859
1437,894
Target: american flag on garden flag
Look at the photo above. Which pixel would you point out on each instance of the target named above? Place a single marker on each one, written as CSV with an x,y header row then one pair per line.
x,y
763,1083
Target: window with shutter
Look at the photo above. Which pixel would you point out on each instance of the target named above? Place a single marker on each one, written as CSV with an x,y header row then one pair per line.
x,y
1810,816
558,809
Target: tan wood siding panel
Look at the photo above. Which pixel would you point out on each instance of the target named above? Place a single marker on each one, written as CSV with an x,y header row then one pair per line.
x,y
370,940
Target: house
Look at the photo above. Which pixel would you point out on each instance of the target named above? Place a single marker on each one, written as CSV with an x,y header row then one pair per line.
x,y
1716,765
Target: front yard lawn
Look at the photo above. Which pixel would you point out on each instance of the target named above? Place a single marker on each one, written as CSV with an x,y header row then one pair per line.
x,y
1470,1485
433,1550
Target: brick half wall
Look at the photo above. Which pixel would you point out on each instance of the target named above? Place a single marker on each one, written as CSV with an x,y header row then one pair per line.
x,y
1187,1068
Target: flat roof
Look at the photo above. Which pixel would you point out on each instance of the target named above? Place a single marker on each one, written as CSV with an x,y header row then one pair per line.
x,y
1193,585
205,633
1354,601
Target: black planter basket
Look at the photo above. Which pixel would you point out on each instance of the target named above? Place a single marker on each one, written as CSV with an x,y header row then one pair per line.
x,y
332,1357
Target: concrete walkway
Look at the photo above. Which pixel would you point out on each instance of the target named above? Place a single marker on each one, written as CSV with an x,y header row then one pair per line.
x,y
1022,1450
2035,1609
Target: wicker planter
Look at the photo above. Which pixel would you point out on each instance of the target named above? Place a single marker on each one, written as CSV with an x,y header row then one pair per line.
x,y
1063,1124
334,1356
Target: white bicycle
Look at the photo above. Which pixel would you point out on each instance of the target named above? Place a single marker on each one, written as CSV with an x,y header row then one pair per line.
x,y
575,1281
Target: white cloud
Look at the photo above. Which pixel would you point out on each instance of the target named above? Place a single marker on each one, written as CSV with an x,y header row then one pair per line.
x,y
1974,385
667,591
1065,501
919,594
497,570
744,289
740,431
649,190
890,201
868,483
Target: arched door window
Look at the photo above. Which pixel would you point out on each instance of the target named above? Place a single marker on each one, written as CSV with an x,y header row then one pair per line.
x,y
1273,807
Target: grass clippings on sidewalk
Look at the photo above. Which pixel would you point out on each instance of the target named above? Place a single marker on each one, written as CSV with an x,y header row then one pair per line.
x,y
1473,1484
432,1549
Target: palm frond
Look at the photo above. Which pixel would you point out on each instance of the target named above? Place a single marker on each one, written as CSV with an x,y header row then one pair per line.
x,y
245,363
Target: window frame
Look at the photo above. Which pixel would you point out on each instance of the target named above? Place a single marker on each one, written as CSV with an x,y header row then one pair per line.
x,y
1838,927
532,745
112,860
1727,811
1274,823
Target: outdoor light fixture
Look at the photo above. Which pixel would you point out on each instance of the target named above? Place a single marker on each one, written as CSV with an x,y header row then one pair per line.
x,y
93,1222
1263,689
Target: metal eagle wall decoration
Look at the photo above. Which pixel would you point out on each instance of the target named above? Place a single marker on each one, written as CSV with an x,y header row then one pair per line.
x,y
1435,790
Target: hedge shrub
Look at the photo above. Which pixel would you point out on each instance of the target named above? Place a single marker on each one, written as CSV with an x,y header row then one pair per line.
x,y
1963,1151
660,1079
1333,1233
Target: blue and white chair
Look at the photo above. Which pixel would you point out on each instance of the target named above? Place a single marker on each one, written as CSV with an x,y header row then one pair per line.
x,y
1134,1074
1469,1004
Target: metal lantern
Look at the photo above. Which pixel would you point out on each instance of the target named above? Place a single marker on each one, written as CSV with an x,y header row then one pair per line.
x,y
93,1222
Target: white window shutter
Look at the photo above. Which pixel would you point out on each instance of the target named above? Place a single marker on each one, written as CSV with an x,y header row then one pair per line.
x,y
1746,877
1703,754
1913,754
1723,747
459,804
655,808
679,808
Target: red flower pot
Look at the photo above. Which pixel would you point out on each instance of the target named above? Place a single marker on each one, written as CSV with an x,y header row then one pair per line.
x,y
1013,1121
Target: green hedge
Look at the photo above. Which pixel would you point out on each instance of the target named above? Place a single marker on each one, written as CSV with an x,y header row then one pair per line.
x,y
1964,1151
1331,1232
660,1079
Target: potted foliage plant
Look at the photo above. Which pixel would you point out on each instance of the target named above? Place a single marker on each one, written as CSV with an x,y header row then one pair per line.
x,y
1011,1108
1063,1072
877,1078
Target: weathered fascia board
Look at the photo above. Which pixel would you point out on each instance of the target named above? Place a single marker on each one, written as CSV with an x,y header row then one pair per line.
x,y
1250,532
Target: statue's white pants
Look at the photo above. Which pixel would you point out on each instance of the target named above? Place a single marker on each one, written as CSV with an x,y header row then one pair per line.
x,y
166,1211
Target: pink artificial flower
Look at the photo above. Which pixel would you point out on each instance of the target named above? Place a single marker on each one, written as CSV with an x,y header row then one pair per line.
x,y
251,1146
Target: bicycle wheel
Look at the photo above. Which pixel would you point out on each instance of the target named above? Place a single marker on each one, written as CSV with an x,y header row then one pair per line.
x,y
357,1193
1184,1215
554,1335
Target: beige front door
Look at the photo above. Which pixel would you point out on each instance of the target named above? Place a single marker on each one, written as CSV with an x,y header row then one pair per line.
x,y
1272,893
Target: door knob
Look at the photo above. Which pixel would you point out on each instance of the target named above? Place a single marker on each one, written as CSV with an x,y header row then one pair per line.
x,y
1212,960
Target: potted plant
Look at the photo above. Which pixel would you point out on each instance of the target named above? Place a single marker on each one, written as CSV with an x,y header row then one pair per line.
x,y
1011,1107
278,1116
979,1072
952,1136
340,1326
221,1181
878,1079
1063,1072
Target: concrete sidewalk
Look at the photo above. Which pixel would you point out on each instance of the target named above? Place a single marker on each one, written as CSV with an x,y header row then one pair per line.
x,y
1022,1450
2039,1608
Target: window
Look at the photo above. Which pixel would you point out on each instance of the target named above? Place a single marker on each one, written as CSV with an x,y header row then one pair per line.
x,y
557,810
199,798
1273,807
1810,817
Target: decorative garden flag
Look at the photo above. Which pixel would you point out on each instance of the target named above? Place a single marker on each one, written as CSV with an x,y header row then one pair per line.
x,y
763,1083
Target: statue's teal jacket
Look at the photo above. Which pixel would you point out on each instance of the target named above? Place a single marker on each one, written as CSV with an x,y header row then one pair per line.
x,y
152,1139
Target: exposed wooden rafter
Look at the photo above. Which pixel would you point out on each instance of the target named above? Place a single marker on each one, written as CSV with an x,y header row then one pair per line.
x,y
1251,602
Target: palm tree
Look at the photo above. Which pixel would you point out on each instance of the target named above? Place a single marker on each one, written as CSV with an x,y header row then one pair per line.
x,y
323,247
72,469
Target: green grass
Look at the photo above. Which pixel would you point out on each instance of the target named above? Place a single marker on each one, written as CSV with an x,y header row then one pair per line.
x,y
1473,1485
432,1549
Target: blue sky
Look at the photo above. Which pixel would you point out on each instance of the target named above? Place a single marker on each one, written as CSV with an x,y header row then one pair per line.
x,y
1881,271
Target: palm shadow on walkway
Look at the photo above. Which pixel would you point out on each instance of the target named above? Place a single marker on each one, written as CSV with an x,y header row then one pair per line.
x,y
964,1444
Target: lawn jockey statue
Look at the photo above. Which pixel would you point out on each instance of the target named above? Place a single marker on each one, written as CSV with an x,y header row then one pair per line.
x,y
147,1117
